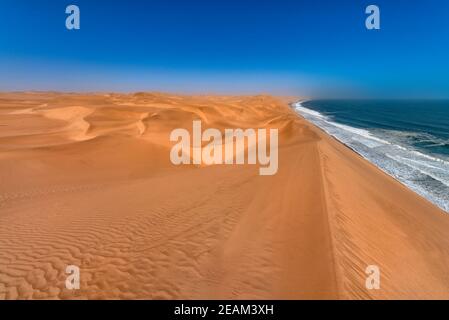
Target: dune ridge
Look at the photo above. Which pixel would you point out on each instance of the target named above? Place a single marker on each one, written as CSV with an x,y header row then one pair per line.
x,y
86,180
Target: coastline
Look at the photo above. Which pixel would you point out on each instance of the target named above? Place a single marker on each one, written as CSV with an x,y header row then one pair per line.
x,y
370,212
317,119
92,185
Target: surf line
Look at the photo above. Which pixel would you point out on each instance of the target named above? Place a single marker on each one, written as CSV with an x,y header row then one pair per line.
x,y
256,141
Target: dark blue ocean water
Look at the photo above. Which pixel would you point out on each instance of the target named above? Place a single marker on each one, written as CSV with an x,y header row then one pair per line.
x,y
407,139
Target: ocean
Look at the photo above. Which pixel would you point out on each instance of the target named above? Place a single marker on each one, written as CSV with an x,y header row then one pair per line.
x,y
409,140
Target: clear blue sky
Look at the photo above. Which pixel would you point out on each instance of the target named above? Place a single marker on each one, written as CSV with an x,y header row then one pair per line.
x,y
245,46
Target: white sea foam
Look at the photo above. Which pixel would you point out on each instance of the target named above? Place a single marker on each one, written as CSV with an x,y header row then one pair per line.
x,y
303,110
425,174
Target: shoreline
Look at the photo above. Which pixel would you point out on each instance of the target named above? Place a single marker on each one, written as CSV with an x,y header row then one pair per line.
x,y
428,198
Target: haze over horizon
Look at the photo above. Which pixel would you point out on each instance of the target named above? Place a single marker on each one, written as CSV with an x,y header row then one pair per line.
x,y
287,47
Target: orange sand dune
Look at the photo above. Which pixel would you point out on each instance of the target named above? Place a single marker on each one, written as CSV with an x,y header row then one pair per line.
x,y
87,180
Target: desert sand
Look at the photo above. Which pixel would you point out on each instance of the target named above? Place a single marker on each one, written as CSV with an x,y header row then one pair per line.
x,y
86,180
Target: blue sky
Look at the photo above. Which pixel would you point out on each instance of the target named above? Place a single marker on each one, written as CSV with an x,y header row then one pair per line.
x,y
247,46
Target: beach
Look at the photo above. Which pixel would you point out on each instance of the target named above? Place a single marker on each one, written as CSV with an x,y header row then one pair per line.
x,y
86,180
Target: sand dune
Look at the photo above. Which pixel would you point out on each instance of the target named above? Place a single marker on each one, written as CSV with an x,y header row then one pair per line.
x,y
86,180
